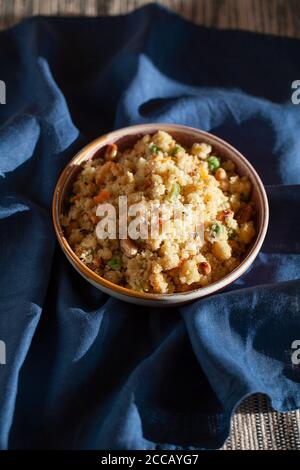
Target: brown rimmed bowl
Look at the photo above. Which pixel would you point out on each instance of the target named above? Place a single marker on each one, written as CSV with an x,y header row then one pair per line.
x,y
125,138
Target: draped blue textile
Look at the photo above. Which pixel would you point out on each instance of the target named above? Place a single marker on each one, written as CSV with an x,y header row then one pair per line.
x,y
85,371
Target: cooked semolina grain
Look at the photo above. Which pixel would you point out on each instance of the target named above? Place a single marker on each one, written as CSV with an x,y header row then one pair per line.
x,y
157,170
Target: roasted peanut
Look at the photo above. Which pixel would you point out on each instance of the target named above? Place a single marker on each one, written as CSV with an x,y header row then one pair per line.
x,y
111,152
244,214
128,247
221,174
204,268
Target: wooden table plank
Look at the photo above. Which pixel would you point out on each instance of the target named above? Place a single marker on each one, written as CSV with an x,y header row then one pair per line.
x,y
281,17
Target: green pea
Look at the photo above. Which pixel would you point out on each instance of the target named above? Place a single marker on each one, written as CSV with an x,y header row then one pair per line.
x,y
213,163
114,263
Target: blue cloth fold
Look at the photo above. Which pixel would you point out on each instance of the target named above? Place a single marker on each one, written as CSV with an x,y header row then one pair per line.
x,y
85,371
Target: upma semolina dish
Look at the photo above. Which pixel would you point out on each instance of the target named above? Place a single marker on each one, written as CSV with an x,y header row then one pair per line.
x,y
159,170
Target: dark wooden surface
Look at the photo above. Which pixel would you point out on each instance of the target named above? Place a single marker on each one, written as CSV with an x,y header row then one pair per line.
x,y
281,17
255,425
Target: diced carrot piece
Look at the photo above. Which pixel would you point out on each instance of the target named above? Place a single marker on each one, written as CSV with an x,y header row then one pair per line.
x,y
97,262
102,196
94,219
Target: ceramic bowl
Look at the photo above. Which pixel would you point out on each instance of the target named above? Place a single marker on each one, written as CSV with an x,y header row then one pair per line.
x,y
125,138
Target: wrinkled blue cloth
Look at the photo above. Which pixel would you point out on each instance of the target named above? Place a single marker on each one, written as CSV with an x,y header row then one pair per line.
x,y
85,371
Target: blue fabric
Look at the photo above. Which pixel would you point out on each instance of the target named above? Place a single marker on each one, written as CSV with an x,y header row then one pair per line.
x,y
85,371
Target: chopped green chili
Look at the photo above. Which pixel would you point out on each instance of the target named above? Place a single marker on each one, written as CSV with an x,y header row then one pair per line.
x,y
175,150
174,193
153,148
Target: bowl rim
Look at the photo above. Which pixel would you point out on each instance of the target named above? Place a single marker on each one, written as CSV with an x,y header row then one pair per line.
x,y
144,129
